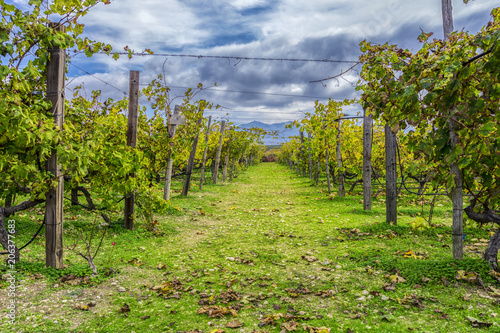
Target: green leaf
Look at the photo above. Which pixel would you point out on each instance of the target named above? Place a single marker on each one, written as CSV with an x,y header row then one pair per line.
x,y
488,128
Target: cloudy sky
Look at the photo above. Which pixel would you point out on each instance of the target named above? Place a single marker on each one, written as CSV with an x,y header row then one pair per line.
x,y
264,90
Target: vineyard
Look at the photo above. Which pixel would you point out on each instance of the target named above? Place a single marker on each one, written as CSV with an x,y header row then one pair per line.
x,y
121,215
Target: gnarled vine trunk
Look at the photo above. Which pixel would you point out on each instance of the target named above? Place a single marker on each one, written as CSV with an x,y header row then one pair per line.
x,y
4,235
5,213
491,253
487,216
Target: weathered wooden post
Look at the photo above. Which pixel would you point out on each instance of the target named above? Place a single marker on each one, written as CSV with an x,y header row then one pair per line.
x,y
54,198
447,13
215,172
457,191
302,154
205,151
339,162
175,119
318,168
232,170
367,161
192,155
309,136
327,161
133,108
391,187
226,159
327,167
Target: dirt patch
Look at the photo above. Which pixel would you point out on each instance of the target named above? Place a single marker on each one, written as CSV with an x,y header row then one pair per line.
x,y
39,301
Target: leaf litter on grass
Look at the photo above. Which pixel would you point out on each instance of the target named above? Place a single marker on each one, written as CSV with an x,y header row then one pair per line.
x,y
228,275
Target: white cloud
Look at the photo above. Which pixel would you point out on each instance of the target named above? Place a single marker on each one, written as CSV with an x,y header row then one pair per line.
x,y
319,29
144,24
245,4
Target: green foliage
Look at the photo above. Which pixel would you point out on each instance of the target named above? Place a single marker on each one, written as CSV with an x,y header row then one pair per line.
x,y
446,84
28,135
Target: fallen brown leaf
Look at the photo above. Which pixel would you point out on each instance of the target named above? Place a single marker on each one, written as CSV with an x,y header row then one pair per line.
x,y
124,308
234,324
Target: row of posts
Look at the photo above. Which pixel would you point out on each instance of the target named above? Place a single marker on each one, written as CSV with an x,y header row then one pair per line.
x,y
175,120
391,165
391,148
54,197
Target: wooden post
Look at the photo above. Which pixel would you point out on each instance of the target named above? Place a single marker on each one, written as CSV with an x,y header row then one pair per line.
x,y
226,160
457,200
54,198
215,172
302,154
133,108
318,170
327,161
174,120
447,12
457,192
391,200
204,160
339,163
232,170
367,161
192,155
309,136
327,167
297,165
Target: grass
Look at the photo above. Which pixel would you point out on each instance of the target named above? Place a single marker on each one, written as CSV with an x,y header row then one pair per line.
x,y
270,252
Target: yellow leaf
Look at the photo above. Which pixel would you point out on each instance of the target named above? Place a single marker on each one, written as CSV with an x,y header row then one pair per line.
x,y
409,254
467,276
396,278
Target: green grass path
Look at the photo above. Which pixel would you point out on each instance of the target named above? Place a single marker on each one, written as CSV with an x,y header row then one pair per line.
x,y
271,252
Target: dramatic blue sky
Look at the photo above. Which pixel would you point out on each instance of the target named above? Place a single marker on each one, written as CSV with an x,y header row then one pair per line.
x,y
268,91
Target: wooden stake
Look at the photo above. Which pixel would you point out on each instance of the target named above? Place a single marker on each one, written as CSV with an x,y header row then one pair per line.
x,y
302,154
232,170
447,12
133,108
309,136
391,200
457,192
367,161
318,168
192,155
339,163
54,198
215,172
327,161
327,167
204,160
456,197
168,173
226,160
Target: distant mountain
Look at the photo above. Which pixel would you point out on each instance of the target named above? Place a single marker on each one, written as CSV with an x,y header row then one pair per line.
x,y
283,132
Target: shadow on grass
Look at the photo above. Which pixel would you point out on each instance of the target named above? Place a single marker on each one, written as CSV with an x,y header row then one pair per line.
x,y
413,270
